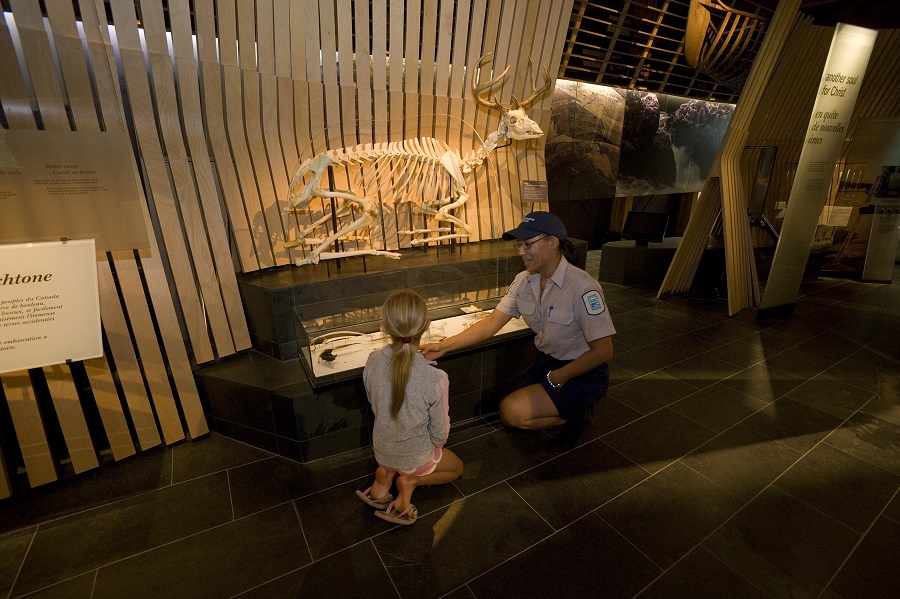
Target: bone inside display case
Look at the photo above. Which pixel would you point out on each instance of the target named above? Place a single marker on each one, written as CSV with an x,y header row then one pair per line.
x,y
335,347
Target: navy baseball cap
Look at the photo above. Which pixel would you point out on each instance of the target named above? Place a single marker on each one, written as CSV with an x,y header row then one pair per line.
x,y
535,223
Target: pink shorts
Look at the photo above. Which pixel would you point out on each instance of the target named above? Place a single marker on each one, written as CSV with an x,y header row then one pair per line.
x,y
426,468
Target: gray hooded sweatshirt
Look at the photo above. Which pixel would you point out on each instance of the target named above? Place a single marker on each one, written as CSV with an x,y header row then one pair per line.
x,y
423,422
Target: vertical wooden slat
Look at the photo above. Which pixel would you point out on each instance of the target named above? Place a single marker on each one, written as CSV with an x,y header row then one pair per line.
x,y
129,371
211,76
154,368
29,428
71,60
179,364
39,60
185,205
16,105
112,416
270,215
154,166
5,490
71,419
216,276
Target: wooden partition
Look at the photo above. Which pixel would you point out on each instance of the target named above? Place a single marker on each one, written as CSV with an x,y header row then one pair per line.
x,y
774,111
222,99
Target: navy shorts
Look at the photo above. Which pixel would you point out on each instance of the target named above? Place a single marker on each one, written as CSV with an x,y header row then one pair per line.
x,y
578,394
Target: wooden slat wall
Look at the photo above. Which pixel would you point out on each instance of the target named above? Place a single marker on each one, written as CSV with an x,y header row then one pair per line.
x,y
86,97
225,98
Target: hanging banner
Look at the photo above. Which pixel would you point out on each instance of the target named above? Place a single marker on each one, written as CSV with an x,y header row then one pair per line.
x,y
848,57
49,304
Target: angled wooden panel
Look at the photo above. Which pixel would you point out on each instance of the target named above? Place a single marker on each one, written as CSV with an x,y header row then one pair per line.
x,y
71,418
41,69
363,53
157,174
128,369
154,367
29,428
186,204
5,490
70,53
242,231
217,275
16,104
179,364
110,407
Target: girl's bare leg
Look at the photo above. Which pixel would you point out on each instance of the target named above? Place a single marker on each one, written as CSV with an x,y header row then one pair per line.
x,y
448,469
383,480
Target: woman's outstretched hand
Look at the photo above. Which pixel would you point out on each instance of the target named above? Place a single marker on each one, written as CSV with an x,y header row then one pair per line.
x,y
432,351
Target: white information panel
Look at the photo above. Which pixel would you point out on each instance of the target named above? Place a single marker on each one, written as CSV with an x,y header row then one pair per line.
x,y
49,304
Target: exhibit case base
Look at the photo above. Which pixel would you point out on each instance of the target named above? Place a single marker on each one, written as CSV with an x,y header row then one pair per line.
x,y
283,397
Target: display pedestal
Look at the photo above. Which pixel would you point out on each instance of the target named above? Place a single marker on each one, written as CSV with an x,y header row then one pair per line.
x,y
266,398
626,263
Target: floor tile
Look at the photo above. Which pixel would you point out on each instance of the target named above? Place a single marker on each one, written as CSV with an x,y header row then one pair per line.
x,y
792,423
82,542
586,559
645,360
263,484
651,392
871,570
492,458
857,491
830,396
702,371
435,555
742,461
13,547
762,382
669,513
146,471
782,545
214,453
870,439
217,563
658,439
336,518
79,587
700,574
718,406
799,364
354,573
568,487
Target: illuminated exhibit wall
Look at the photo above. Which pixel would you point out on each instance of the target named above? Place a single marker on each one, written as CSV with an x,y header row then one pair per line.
x,y
607,142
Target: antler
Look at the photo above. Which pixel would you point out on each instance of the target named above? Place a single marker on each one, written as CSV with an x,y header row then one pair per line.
x,y
477,89
535,92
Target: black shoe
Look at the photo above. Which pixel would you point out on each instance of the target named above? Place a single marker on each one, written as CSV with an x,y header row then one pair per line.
x,y
572,429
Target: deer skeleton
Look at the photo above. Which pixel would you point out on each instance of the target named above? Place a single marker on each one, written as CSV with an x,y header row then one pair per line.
x,y
405,170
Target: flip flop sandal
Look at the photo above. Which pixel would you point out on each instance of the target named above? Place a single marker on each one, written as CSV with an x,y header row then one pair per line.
x,y
379,503
407,516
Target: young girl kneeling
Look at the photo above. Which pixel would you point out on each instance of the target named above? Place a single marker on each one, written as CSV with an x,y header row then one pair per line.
x,y
409,397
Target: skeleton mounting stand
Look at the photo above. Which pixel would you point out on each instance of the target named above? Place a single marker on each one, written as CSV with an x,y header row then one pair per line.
x,y
398,173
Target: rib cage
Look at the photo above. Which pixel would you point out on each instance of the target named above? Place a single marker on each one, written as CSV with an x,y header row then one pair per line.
x,y
397,176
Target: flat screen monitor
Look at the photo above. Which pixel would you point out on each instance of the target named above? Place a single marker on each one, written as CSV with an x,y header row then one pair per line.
x,y
645,227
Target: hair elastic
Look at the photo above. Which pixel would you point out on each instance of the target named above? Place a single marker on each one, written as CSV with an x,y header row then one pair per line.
x,y
406,339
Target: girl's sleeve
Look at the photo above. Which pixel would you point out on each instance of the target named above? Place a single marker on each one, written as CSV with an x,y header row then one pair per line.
x,y
439,413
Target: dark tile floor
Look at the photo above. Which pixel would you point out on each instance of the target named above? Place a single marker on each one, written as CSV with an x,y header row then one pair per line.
x,y
733,458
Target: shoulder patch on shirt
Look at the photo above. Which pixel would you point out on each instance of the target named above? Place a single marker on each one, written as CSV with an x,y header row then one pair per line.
x,y
593,302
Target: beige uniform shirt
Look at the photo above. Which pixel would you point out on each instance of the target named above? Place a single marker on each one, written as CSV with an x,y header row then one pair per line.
x,y
570,313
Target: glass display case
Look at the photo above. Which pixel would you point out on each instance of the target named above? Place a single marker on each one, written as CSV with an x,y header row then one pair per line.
x,y
335,347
